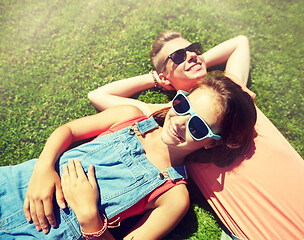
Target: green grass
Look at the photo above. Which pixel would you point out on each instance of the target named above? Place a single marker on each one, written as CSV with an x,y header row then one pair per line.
x,y
52,53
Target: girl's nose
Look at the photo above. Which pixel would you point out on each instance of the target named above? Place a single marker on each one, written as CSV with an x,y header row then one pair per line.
x,y
182,120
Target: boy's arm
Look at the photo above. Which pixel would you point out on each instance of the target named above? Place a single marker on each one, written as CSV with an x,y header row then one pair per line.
x,y
235,53
45,181
118,92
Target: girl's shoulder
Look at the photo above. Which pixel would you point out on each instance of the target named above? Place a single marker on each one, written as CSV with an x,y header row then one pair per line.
x,y
124,112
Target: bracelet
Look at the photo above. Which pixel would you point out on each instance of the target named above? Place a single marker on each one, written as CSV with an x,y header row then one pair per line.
x,y
99,232
154,78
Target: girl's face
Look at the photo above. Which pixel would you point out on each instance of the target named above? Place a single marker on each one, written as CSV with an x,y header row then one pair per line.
x,y
183,76
175,132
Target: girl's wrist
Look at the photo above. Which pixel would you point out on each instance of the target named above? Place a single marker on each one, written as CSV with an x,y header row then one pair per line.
x,y
93,230
44,164
91,222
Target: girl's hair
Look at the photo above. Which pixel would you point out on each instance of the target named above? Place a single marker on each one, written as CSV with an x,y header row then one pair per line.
x,y
237,121
158,44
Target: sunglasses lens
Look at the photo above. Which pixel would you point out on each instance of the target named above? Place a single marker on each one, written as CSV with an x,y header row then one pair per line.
x,y
197,127
180,104
179,56
195,47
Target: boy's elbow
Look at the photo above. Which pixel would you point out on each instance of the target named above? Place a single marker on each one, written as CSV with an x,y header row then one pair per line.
x,y
91,96
95,98
243,38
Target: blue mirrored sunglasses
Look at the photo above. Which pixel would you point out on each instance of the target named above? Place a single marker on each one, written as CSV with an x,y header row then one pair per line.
x,y
197,127
180,55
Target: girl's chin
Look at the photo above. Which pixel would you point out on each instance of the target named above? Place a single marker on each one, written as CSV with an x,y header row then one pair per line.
x,y
169,140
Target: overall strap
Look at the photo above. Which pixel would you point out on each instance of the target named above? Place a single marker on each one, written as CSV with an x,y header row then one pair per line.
x,y
146,125
174,173
177,173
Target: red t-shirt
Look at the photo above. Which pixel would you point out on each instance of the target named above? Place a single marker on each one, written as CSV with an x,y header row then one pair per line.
x,y
261,196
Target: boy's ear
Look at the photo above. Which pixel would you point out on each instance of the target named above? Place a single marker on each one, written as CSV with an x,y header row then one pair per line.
x,y
165,82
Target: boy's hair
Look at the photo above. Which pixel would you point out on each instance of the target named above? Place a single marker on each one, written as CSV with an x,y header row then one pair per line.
x,y
158,44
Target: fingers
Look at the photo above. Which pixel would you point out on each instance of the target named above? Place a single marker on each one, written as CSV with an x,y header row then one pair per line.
x,y
81,174
26,209
167,88
64,177
49,216
79,170
34,215
59,196
75,172
91,176
72,170
59,191
39,219
38,203
41,213
65,171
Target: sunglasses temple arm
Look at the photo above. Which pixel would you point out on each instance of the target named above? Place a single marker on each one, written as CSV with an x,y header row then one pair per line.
x,y
164,65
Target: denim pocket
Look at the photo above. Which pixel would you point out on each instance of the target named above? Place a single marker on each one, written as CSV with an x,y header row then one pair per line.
x,y
13,222
116,168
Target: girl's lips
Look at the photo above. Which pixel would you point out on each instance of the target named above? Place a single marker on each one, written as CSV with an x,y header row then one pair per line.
x,y
173,132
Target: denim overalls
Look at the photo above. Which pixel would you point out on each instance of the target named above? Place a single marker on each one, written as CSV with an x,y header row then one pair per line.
x,y
123,173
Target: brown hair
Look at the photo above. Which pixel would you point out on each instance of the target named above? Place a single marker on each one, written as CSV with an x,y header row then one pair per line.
x,y
158,44
237,121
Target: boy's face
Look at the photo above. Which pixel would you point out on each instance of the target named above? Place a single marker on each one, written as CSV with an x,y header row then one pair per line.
x,y
185,75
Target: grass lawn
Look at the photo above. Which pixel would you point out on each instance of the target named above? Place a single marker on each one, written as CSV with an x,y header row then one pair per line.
x,y
52,53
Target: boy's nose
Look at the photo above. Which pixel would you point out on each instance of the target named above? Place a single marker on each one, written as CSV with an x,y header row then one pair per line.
x,y
191,56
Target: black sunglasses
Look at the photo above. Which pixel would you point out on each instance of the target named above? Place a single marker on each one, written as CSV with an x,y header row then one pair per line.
x,y
180,55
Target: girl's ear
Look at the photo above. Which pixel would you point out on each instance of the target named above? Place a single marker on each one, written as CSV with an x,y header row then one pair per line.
x,y
213,143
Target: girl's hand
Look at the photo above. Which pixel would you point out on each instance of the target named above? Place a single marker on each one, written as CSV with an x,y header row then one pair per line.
x,y
81,192
38,203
